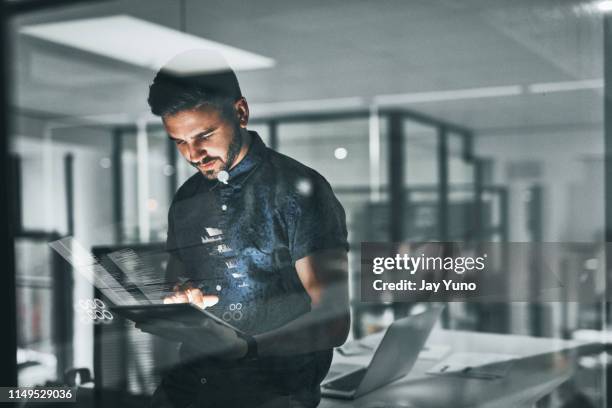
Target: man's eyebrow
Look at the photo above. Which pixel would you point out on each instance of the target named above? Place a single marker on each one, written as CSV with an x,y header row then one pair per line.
x,y
203,132
206,131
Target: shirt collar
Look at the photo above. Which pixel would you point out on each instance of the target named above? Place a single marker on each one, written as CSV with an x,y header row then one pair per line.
x,y
242,170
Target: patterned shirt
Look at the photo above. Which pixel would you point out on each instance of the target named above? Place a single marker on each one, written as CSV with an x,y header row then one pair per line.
x,y
241,240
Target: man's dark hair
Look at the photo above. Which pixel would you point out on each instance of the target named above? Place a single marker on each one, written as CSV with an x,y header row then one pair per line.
x,y
172,92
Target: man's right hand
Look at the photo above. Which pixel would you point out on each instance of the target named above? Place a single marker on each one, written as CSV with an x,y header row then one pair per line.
x,y
208,339
191,295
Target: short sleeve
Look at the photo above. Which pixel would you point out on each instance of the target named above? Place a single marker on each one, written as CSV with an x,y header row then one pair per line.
x,y
316,219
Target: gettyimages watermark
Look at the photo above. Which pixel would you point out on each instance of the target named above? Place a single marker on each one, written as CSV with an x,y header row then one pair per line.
x,y
489,271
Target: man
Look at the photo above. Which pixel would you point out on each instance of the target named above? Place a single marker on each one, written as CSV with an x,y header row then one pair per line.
x,y
257,238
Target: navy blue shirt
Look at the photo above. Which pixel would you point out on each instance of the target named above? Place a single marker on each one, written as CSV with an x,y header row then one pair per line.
x,y
241,240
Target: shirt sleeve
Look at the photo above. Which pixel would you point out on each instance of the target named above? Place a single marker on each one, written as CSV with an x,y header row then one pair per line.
x,y
316,219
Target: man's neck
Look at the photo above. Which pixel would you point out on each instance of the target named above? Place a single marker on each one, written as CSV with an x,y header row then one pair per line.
x,y
246,144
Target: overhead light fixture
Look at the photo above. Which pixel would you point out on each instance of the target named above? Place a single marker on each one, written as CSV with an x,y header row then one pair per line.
x,y
548,87
141,43
348,103
340,153
304,106
451,95
604,6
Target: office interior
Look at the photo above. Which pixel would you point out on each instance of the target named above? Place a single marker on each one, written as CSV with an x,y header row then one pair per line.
x,y
452,121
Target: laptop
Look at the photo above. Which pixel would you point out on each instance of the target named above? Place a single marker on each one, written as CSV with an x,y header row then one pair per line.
x,y
394,357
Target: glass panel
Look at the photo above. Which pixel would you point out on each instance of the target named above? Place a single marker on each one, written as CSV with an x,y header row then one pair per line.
x,y
50,156
338,149
35,313
160,174
421,152
421,179
464,216
263,130
525,78
129,188
460,171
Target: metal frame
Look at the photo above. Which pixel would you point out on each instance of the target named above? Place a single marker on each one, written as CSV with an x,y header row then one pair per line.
x,y
117,146
396,176
172,161
16,193
607,305
478,183
273,130
8,303
69,183
607,42
442,184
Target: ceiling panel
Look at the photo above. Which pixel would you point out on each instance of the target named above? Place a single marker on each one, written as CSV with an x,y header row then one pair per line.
x,y
339,49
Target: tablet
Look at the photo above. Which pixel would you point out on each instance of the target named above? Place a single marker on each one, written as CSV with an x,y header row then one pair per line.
x,y
186,313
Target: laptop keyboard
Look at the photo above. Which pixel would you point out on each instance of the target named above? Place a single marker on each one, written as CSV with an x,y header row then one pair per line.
x,y
348,382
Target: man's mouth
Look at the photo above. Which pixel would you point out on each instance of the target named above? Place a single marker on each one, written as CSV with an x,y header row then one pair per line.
x,y
208,165
205,164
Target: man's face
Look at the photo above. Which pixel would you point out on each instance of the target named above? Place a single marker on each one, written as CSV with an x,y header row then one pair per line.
x,y
208,140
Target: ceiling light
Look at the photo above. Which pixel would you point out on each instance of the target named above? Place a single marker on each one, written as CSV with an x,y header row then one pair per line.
x,y
340,153
141,43
547,87
604,6
450,95
105,163
304,106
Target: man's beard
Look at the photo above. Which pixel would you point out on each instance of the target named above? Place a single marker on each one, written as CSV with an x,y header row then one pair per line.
x,y
232,152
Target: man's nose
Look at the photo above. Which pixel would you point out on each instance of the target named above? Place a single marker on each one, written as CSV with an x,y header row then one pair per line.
x,y
196,153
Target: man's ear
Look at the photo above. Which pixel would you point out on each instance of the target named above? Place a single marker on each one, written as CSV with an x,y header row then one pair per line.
x,y
242,112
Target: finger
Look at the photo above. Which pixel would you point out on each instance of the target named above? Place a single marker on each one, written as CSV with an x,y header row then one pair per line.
x,y
173,299
199,299
190,295
181,298
195,296
209,300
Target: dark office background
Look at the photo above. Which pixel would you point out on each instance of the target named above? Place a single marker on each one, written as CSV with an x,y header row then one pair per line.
x,y
441,120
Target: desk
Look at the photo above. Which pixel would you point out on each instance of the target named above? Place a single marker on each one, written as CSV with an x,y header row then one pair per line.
x,y
542,364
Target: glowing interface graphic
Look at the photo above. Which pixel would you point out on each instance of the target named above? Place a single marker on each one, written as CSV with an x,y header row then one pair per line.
x,y
93,311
